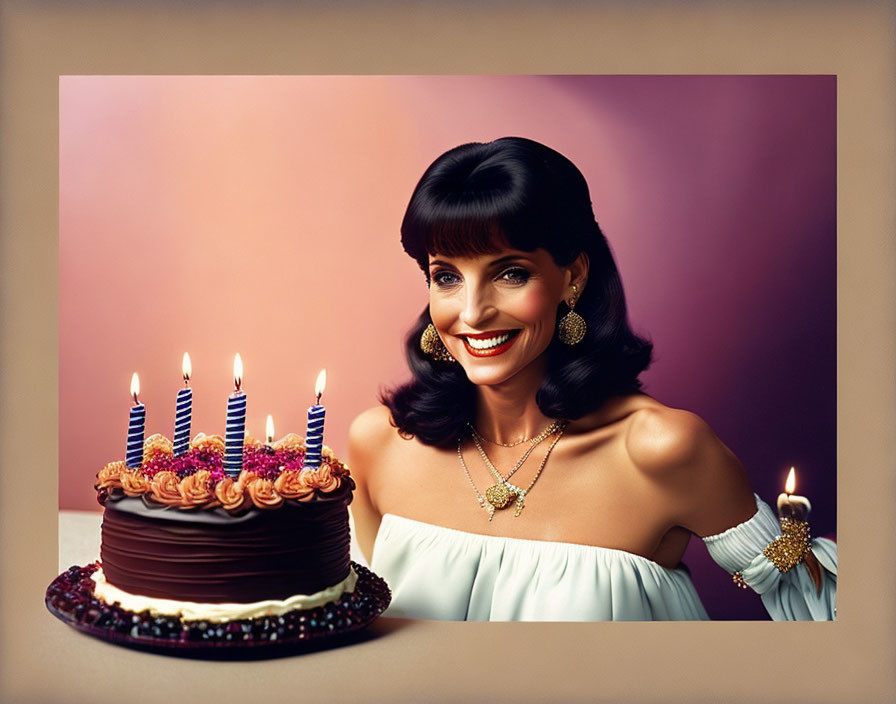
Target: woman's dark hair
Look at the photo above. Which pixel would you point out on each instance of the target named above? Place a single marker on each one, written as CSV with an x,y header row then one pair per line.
x,y
513,192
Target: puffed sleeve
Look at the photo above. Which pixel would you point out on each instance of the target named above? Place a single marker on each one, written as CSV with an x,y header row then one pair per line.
x,y
791,596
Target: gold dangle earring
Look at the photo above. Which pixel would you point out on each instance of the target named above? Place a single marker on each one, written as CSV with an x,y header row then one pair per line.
x,y
433,347
571,329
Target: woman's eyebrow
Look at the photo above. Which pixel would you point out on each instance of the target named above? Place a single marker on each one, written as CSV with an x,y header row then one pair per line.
x,y
439,262
495,263
511,258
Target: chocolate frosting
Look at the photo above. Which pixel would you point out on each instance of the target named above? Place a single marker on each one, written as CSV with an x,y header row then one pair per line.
x,y
214,556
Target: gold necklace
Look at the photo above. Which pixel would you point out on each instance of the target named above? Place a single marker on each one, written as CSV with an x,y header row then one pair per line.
x,y
502,494
550,430
535,441
494,470
497,495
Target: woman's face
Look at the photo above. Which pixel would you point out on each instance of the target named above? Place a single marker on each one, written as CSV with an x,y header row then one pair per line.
x,y
496,313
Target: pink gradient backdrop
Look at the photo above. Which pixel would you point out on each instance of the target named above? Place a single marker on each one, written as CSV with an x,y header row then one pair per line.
x,y
260,215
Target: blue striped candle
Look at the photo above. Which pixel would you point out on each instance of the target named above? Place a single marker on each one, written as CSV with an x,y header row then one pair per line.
x,y
182,419
314,436
136,424
314,433
236,424
183,414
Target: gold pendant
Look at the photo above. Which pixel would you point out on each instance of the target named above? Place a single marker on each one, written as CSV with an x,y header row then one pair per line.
x,y
499,496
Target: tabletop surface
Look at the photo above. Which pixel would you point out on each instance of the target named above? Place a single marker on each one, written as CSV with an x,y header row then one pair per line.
x,y
393,660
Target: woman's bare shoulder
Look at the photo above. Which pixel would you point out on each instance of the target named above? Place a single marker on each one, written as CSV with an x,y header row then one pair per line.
x,y
372,428
655,436
702,480
660,438
376,420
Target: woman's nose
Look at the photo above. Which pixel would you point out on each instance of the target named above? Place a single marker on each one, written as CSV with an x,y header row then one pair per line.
x,y
478,307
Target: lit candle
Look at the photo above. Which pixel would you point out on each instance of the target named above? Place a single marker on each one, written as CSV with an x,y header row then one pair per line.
x,y
314,433
183,414
791,505
136,423
236,423
269,431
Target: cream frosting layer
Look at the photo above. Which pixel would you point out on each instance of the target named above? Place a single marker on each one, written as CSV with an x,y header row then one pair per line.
x,y
195,611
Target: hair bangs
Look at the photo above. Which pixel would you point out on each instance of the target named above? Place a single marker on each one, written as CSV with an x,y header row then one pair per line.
x,y
469,237
471,230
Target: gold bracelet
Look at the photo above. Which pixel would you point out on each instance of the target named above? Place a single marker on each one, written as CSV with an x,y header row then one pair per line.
x,y
789,550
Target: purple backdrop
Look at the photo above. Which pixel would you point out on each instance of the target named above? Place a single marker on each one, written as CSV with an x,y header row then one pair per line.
x,y
730,199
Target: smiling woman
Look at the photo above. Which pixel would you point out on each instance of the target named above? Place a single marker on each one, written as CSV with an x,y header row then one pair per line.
x,y
499,309
526,343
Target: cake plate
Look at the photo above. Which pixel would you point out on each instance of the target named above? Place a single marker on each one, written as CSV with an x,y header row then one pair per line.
x,y
70,598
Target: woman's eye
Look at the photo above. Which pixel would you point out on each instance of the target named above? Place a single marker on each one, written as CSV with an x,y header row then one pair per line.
x,y
515,275
443,279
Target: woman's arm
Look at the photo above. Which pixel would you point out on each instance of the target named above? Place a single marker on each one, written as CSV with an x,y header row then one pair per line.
x,y
708,492
367,436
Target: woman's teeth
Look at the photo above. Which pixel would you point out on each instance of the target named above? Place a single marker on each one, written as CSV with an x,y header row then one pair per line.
x,y
488,343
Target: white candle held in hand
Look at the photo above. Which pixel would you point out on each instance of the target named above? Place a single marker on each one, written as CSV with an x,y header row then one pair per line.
x,y
791,505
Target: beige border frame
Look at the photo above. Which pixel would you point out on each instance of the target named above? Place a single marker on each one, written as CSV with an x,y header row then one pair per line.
x,y
850,660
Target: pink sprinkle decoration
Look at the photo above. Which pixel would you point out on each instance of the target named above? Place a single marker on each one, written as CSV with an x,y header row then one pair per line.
x,y
263,461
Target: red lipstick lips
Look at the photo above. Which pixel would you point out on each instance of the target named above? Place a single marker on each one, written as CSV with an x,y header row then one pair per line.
x,y
483,339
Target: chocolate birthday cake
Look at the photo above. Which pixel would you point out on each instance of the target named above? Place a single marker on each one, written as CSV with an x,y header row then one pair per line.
x,y
191,555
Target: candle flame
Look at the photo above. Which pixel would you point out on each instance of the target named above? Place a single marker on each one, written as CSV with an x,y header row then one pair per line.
x,y
135,387
790,484
186,367
237,371
321,383
269,430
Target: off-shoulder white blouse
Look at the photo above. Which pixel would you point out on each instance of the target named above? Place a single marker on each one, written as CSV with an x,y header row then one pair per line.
x,y
446,574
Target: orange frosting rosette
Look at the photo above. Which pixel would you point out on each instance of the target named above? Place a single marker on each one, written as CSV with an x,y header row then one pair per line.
x,y
262,493
246,477
109,477
231,494
165,488
291,484
209,443
323,478
195,490
290,441
250,441
157,445
133,482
